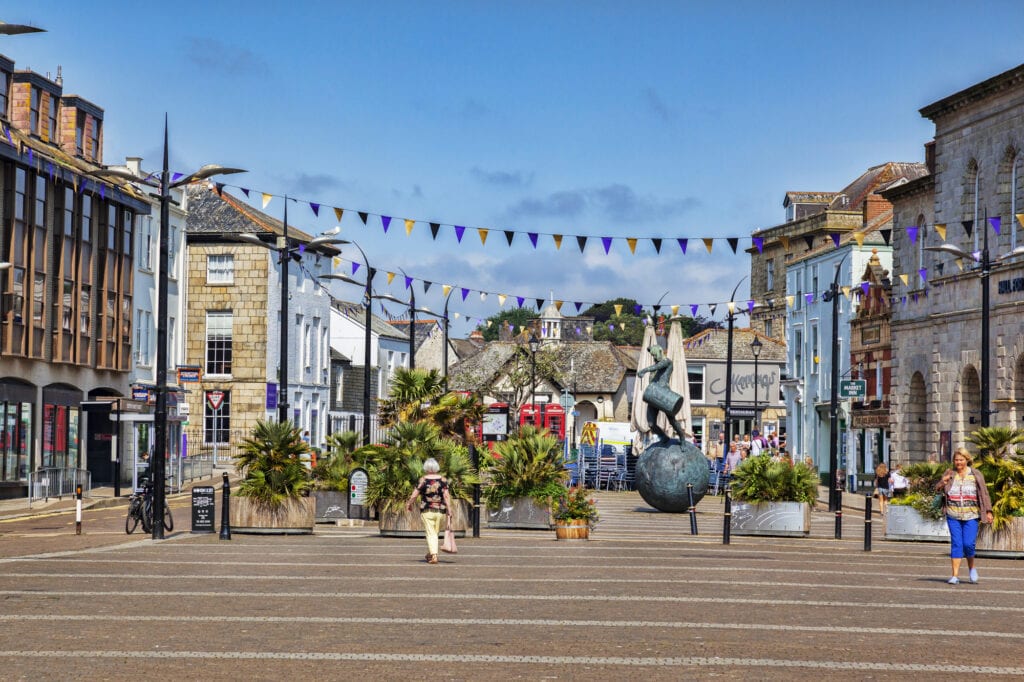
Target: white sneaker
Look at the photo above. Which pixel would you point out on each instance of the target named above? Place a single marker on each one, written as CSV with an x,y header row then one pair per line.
x,y
954,581
974,575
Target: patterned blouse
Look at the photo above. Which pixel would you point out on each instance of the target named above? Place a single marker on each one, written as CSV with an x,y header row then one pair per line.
x,y
962,498
432,495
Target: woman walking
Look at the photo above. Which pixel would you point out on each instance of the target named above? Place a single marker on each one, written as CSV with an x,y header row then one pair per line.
x,y
882,489
966,503
435,504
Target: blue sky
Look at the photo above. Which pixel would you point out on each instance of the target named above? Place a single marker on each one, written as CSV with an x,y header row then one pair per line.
x,y
606,119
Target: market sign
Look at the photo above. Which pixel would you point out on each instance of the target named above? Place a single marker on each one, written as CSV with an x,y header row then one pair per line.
x,y
853,388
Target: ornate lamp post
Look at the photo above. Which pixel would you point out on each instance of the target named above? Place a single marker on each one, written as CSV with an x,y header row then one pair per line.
x,y
755,349
534,347
835,491
728,366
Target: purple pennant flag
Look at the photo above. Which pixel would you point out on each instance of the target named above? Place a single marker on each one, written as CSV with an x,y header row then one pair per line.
x,y
355,266
245,191
302,249
682,245
976,255
693,309
519,301
408,282
459,231
759,243
912,233
835,238
578,304
465,293
30,155
81,187
385,221
864,286
533,238
809,298
750,306
49,168
903,300
995,222
7,129
175,177
103,191
607,241
316,209
915,298
637,308
611,327
923,272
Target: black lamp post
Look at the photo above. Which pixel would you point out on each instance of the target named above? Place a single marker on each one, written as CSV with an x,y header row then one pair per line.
x,y
728,365
368,339
755,349
534,347
986,263
159,464
835,491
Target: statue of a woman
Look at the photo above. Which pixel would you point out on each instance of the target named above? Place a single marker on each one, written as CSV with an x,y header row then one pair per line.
x,y
658,396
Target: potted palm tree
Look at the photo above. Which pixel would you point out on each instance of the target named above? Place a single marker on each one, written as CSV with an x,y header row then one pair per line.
x,y
272,497
523,475
917,515
1002,464
773,497
331,475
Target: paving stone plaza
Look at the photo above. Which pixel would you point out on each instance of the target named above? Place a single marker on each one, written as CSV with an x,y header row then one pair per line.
x,y
643,599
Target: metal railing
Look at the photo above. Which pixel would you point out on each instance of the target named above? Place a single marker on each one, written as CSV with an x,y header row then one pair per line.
x,y
47,482
188,470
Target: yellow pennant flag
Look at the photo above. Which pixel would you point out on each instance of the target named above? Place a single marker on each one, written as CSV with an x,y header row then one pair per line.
x,y
859,236
482,231
785,242
618,308
408,226
1020,219
846,292
732,307
558,241
445,288
558,306
622,326
708,243
266,199
632,244
336,261
489,323
960,263
789,300
501,299
941,229
338,212
675,310
391,277
456,315
905,279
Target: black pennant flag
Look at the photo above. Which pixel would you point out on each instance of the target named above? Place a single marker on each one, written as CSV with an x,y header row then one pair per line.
x,y
434,227
363,216
810,241
219,188
733,243
968,226
509,236
540,303
886,235
657,245
582,241
426,286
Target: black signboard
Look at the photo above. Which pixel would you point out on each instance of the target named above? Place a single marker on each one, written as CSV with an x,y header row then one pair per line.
x,y
203,508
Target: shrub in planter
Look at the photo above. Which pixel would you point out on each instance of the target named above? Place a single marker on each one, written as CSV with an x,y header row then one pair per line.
x,y
922,479
528,464
759,479
271,465
1002,465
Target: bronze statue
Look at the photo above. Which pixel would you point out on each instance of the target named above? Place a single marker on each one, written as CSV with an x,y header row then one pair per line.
x,y
658,396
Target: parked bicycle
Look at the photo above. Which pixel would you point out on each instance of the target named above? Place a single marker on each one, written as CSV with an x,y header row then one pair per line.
x,y
140,510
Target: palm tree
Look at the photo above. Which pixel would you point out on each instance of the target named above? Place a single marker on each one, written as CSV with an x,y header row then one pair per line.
x,y
528,464
411,390
1003,470
996,439
271,462
456,414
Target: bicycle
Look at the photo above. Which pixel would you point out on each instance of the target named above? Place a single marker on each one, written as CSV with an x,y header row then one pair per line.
x,y
140,510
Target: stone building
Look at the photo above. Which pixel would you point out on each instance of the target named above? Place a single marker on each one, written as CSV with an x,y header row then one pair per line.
x,y
973,198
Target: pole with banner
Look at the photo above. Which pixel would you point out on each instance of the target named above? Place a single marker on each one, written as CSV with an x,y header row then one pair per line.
x,y
215,399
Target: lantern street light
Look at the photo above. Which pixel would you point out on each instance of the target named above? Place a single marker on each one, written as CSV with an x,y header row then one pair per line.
x,y
159,464
835,491
986,262
755,349
411,305
728,366
534,347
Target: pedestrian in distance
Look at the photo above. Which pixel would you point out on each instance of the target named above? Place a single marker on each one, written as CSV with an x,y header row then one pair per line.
x,y
733,459
882,490
898,483
965,503
435,504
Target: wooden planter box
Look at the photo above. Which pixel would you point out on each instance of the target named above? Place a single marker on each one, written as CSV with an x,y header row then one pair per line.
x,y
1006,543
781,519
294,517
407,524
573,529
521,513
331,505
906,523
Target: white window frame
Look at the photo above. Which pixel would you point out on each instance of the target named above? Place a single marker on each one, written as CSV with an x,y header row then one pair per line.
x,y
222,322
691,370
220,268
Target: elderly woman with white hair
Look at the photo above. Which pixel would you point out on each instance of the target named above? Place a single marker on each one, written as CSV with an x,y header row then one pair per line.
x,y
435,504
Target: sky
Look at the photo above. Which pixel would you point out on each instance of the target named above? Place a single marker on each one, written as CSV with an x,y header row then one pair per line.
x,y
645,119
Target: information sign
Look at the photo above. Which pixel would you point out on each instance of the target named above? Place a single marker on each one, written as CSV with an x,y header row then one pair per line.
x,y
203,507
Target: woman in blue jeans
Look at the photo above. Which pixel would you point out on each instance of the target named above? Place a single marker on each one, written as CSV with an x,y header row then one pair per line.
x,y
966,503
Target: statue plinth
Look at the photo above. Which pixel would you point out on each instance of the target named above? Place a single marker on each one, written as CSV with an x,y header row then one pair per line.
x,y
663,471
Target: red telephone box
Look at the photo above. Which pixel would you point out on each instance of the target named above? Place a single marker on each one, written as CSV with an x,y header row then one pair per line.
x,y
554,420
531,415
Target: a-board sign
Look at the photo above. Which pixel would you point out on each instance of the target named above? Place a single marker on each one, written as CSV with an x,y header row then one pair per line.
x,y
357,487
203,508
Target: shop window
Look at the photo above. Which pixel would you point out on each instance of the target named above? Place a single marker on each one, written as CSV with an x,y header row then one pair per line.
x,y
218,342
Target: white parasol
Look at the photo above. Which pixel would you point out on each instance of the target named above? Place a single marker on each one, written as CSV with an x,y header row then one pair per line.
x,y
679,381
638,416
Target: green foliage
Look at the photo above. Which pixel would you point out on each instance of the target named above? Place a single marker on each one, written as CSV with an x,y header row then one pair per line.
x,y
528,464
574,505
922,481
517,317
759,479
343,455
996,440
411,392
1003,471
455,414
271,464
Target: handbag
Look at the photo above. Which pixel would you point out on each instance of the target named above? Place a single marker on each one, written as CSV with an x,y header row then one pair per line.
x,y
449,539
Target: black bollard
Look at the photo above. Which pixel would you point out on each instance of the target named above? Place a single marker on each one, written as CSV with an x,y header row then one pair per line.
x,y
78,509
225,511
693,509
867,523
475,458
839,510
727,526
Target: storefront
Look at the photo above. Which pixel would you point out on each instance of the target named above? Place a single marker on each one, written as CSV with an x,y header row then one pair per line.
x,y
17,407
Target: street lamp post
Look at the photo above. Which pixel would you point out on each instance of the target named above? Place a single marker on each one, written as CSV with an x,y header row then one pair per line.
x,y
835,492
986,262
159,464
534,347
728,366
755,349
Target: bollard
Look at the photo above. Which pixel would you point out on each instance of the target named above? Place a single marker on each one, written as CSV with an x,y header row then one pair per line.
x,y
867,523
693,509
78,509
839,512
727,526
475,458
225,511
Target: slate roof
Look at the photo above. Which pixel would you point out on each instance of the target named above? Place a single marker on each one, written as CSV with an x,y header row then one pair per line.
x,y
424,328
465,347
357,313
